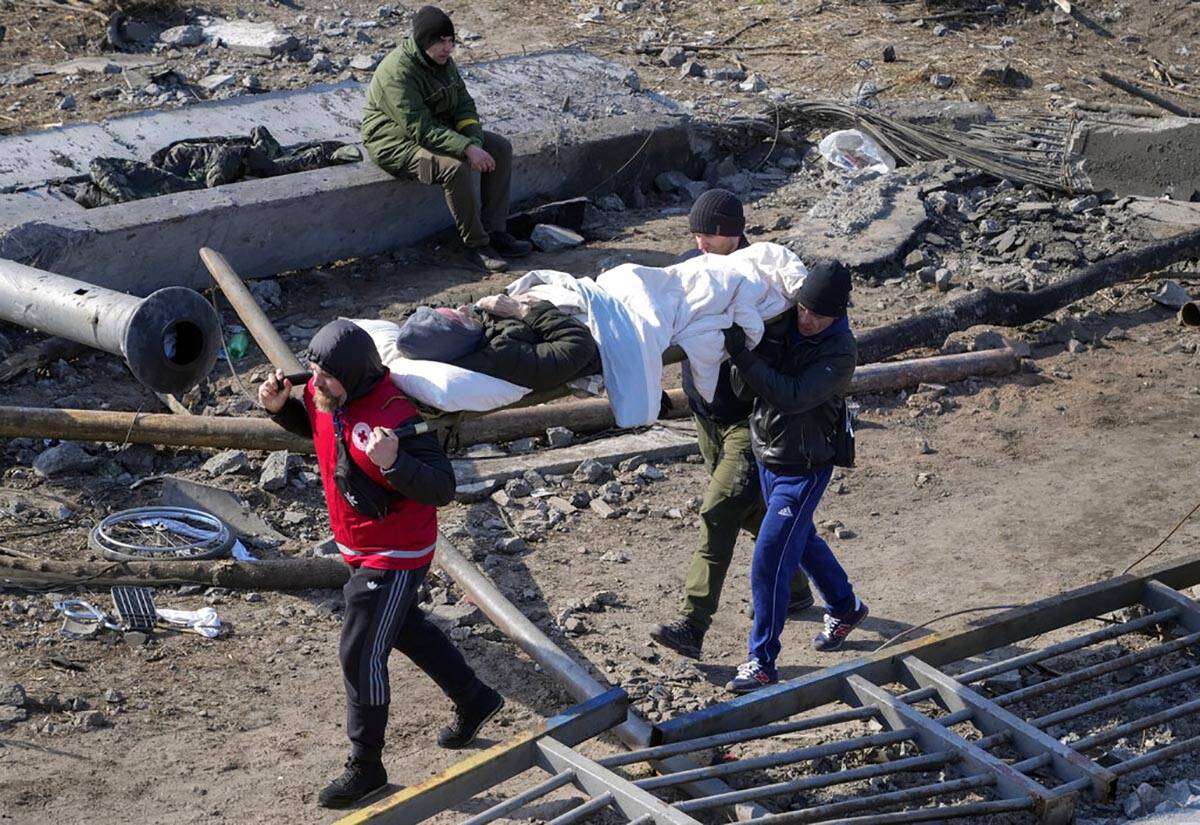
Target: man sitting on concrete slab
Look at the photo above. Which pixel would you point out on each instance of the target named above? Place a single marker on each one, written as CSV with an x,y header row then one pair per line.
x,y
420,121
523,340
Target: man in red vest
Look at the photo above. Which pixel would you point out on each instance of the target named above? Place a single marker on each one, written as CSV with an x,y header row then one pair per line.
x,y
382,493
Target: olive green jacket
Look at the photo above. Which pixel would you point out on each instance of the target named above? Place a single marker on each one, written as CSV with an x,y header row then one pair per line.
x,y
413,102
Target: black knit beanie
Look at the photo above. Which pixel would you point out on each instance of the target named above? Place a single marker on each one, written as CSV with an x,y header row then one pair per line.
x,y
431,24
826,289
717,212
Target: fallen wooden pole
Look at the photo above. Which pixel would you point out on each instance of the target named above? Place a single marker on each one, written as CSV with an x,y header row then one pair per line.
x,y
1010,309
587,416
1137,91
281,574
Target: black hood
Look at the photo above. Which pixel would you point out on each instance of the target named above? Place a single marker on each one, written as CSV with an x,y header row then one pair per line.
x,y
346,351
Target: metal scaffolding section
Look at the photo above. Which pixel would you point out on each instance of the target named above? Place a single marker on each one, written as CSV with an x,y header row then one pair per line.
x,y
915,733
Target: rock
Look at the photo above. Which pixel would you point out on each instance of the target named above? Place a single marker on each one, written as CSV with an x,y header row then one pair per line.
x,y
889,54
12,694
942,280
561,505
990,226
182,36
602,508
475,492
320,64
114,697
559,437
213,82
274,474
610,203
672,181
363,63
843,532
11,714
923,447
575,626
67,103
265,39
1000,73
673,513
550,238
691,68
650,473
615,556
66,457
501,498
1005,240
463,614
90,720
522,446
941,30
924,478
596,15
727,75
591,471
1060,252
754,83
941,81
511,545
1080,205
518,488
225,462
627,6
252,83
739,183
267,293
1142,801
915,260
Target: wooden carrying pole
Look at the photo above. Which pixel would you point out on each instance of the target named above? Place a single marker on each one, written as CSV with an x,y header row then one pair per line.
x,y
588,416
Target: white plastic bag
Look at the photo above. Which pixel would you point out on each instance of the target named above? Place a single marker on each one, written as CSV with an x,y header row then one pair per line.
x,y
855,152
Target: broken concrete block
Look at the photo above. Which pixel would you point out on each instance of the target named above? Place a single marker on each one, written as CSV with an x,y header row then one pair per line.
x,y
363,63
475,492
941,81
274,474
562,505
226,461
673,56
511,545
182,36
672,181
915,260
550,238
602,508
559,437
12,694
1083,204
942,279
213,82
691,68
264,39
67,457
1003,74
754,83
591,471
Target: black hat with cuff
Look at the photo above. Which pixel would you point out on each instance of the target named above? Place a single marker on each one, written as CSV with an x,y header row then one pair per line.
x,y
717,212
826,289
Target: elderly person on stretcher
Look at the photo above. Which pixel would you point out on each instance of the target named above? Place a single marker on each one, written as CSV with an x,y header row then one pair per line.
x,y
551,327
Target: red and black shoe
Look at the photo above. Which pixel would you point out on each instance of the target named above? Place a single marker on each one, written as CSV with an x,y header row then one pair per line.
x,y
837,628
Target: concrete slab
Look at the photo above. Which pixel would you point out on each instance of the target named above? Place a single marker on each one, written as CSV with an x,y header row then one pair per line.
x,y
1160,157
655,444
866,223
306,219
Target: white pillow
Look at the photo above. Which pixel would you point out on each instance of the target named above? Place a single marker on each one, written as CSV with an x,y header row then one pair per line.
x,y
383,333
450,388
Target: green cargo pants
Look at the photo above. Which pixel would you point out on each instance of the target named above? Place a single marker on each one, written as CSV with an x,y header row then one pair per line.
x,y
475,215
732,502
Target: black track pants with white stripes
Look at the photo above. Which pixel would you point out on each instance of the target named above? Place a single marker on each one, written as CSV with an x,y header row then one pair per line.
x,y
382,613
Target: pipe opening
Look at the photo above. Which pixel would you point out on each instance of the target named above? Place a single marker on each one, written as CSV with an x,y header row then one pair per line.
x,y
183,343
1189,314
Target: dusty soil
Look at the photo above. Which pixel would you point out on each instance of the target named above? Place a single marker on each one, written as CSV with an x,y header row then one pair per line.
x,y
1002,491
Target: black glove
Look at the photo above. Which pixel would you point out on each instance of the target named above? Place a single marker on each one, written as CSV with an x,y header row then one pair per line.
x,y
735,341
664,405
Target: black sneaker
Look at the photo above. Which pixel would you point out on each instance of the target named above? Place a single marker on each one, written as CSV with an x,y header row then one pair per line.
x,y
837,628
510,247
467,721
360,779
682,636
485,258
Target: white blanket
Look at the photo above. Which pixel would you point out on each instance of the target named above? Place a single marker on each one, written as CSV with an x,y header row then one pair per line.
x,y
686,304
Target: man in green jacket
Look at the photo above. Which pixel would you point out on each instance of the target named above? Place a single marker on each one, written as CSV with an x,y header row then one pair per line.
x,y
420,121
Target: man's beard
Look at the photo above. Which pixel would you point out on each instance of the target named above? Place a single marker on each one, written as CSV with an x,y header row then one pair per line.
x,y
325,402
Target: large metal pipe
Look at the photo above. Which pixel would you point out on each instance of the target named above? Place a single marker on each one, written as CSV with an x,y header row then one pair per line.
x,y
580,684
1189,314
169,339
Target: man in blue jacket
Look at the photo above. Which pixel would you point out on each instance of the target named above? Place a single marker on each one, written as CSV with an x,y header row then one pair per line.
x,y
798,377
